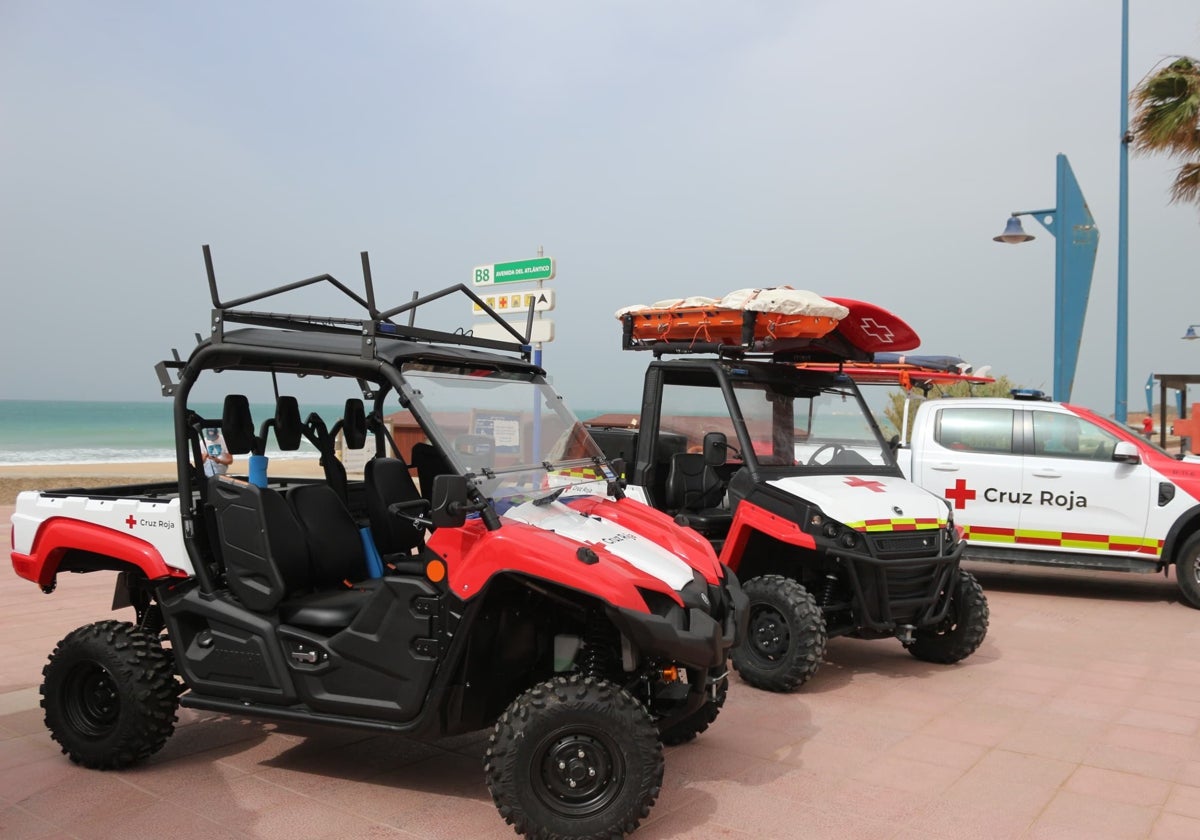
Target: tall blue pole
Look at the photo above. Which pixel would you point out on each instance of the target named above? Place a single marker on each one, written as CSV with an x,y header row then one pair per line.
x,y
1123,231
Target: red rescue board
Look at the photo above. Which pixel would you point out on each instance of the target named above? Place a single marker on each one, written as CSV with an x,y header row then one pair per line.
x,y
873,329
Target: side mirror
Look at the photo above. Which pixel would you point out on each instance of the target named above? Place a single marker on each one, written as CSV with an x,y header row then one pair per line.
x,y
1126,453
715,445
449,501
616,488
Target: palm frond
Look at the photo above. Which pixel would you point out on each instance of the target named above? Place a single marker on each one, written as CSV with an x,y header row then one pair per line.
x,y
1186,188
1168,110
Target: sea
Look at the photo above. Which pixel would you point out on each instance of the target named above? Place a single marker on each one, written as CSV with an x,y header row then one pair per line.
x,y
66,432
36,432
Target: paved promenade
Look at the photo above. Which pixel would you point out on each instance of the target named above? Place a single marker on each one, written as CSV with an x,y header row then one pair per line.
x,y
1078,719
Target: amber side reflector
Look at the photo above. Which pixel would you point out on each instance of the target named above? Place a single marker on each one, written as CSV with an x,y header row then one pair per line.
x,y
435,570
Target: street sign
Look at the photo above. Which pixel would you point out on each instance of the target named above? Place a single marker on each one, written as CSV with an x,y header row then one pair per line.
x,y
509,302
543,330
521,271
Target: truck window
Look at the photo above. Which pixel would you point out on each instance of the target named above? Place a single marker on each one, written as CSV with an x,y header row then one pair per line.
x,y
975,429
1057,435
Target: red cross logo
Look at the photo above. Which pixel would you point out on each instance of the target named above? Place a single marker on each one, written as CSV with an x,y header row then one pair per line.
x,y
870,484
131,521
880,332
959,494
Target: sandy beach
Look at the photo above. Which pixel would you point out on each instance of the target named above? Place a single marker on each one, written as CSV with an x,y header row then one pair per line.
x,y
14,479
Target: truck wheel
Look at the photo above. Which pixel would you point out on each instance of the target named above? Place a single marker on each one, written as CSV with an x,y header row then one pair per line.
x,y
1187,571
574,757
699,720
786,639
109,693
962,631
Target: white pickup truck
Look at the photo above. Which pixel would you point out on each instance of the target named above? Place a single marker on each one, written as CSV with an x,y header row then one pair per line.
x,y
1055,484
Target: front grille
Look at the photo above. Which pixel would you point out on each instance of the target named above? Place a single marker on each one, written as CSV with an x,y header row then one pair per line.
x,y
908,544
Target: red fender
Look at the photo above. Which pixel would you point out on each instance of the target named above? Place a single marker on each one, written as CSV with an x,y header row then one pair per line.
x,y
58,535
749,518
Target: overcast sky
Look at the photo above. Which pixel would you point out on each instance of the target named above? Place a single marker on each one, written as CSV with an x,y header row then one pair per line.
x,y
655,149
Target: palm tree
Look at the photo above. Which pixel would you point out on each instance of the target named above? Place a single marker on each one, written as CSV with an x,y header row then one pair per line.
x,y
1168,120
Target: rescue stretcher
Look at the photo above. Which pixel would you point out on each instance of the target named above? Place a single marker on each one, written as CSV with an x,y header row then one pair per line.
x,y
769,320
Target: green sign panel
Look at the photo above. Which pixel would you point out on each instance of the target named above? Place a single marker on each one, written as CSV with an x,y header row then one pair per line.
x,y
520,271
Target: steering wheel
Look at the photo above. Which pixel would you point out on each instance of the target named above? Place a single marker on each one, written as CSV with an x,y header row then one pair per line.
x,y
837,448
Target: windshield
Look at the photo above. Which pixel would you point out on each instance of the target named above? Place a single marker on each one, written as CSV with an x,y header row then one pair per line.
x,y
820,424
510,431
827,428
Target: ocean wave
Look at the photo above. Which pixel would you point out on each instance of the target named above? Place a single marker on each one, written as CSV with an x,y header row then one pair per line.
x,y
100,455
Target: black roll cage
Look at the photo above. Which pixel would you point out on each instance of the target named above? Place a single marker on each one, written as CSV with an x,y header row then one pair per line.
x,y
367,364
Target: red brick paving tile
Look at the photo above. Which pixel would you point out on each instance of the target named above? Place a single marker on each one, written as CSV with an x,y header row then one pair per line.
x,y
1092,710
1016,699
18,824
999,766
1175,827
1100,816
26,749
72,807
455,819
1189,774
1168,705
19,783
884,804
829,758
1152,765
1150,740
1055,736
28,722
1162,721
816,823
912,776
979,725
1185,801
662,829
944,752
971,820
1117,786
787,784
153,822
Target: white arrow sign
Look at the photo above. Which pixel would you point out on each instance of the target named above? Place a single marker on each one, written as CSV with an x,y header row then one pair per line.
x,y
543,330
510,302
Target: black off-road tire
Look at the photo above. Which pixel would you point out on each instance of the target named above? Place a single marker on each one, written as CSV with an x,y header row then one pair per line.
x,y
699,720
109,693
785,643
962,631
1187,571
582,730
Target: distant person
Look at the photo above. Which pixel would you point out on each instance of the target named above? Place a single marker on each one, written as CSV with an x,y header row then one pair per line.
x,y
217,457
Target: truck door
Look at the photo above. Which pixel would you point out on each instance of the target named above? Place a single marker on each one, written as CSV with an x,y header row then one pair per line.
x,y
973,463
1080,500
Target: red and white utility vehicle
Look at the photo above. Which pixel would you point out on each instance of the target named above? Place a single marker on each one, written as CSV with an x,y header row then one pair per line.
x,y
784,470
518,588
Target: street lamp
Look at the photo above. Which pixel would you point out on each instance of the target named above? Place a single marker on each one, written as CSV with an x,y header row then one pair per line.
x,y
1191,334
1075,240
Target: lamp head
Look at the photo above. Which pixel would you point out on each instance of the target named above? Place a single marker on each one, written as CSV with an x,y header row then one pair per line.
x,y
1191,334
1013,232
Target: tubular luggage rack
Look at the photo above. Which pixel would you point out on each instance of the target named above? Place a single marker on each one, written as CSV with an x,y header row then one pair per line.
x,y
833,347
377,323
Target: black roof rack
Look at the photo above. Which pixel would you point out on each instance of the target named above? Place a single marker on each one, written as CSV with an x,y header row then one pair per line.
x,y
374,322
363,332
